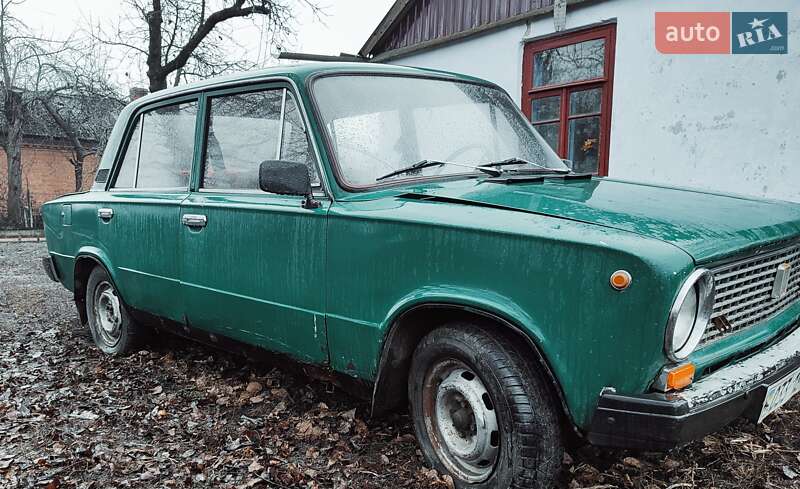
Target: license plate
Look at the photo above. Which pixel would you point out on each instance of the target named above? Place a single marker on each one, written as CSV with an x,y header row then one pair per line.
x,y
779,394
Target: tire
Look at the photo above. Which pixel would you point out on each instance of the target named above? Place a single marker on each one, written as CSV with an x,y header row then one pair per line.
x,y
113,330
482,414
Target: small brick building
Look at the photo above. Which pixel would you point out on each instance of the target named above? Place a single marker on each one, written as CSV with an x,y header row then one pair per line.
x,y
46,172
46,168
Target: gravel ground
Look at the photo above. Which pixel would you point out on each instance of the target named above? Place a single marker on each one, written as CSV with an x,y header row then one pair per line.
x,y
183,415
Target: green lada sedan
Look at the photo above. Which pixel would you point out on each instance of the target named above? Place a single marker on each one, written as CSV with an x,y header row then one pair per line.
x,y
410,232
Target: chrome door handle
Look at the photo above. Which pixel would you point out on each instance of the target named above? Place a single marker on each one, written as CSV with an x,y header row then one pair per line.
x,y
194,220
105,213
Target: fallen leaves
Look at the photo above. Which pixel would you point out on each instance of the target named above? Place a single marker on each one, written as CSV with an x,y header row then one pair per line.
x,y
86,415
181,415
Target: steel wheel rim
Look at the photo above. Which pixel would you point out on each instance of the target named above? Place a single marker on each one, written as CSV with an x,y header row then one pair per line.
x,y
461,421
107,314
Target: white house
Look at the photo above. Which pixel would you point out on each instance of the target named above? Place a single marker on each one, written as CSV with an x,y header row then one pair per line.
x,y
589,75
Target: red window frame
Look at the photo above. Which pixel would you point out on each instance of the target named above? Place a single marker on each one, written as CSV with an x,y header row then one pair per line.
x,y
608,32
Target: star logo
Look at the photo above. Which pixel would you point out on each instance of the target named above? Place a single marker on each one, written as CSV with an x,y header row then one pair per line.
x,y
757,23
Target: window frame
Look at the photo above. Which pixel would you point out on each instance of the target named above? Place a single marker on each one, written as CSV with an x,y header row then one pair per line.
x,y
288,91
605,31
131,126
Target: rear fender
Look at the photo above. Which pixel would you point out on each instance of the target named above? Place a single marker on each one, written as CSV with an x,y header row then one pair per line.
x,y
88,257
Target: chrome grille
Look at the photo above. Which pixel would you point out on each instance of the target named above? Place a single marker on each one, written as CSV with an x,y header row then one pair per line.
x,y
744,291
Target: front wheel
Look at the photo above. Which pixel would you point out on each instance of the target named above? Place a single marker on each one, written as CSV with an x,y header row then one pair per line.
x,y
481,413
112,328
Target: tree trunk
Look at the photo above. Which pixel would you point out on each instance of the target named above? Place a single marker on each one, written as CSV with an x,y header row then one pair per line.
x,y
77,164
155,69
13,112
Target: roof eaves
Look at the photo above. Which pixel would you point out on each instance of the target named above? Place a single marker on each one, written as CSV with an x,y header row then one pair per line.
x,y
406,50
389,20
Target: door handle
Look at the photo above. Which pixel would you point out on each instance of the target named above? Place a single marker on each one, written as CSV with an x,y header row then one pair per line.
x,y
105,213
194,220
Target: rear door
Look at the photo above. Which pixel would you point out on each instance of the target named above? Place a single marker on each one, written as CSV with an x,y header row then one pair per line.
x,y
253,262
139,218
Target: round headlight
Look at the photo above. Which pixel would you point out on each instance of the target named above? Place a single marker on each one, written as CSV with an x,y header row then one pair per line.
x,y
690,315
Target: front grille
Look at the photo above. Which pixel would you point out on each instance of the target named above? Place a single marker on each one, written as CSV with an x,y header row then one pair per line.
x,y
744,291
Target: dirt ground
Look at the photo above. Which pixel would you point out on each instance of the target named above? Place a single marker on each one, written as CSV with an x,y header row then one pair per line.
x,y
183,415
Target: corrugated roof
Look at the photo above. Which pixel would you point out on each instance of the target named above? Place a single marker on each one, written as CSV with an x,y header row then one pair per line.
x,y
411,25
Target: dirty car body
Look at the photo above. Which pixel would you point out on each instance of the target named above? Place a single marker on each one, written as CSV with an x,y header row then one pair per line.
x,y
354,273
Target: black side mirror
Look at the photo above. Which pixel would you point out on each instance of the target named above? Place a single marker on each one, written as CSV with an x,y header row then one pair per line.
x,y
286,178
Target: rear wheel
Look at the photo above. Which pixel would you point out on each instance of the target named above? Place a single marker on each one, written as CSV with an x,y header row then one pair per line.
x,y
112,328
481,413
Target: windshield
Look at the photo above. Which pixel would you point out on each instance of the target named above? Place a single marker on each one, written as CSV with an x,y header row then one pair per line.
x,y
380,124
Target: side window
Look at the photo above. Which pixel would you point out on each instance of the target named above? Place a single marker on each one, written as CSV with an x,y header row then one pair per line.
x,y
295,146
245,129
165,160
126,178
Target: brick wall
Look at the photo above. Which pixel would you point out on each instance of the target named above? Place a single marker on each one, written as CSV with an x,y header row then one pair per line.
x,y
48,172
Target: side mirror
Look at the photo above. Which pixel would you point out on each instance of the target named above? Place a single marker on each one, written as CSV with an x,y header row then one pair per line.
x,y
286,178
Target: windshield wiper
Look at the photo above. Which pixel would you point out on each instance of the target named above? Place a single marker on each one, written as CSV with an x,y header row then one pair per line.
x,y
430,163
521,161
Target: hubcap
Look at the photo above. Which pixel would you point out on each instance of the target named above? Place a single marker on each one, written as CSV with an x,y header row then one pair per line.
x,y
461,420
107,313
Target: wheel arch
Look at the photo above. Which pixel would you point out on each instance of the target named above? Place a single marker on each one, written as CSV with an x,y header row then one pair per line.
x,y
408,327
85,261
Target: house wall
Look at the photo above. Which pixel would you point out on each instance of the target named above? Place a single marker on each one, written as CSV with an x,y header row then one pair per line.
x,y
48,172
720,122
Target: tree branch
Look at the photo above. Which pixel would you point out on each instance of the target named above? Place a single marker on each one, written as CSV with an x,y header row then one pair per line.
x,y
80,152
234,11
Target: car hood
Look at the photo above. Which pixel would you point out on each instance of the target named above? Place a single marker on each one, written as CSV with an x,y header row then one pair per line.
x,y
708,226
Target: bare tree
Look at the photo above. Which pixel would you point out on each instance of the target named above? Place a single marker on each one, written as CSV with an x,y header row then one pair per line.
x,y
82,104
183,39
23,66
85,120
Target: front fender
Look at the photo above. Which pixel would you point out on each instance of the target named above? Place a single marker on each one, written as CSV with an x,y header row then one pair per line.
x,y
481,300
423,310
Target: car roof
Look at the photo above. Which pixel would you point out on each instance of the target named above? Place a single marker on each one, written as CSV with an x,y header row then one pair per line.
x,y
300,73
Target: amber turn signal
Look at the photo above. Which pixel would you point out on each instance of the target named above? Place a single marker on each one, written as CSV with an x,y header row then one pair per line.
x,y
680,376
621,280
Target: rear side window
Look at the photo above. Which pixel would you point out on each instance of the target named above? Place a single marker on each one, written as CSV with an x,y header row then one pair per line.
x,y
161,147
245,129
165,160
126,178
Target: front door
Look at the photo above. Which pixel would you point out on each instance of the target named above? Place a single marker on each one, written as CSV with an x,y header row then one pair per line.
x,y
139,216
253,263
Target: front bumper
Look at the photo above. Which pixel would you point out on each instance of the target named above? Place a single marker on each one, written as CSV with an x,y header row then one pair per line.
x,y
664,421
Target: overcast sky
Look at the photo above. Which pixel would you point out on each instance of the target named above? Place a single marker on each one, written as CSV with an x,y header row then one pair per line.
x,y
344,27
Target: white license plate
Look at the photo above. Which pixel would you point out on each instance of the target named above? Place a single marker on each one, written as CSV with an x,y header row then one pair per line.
x,y
779,394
